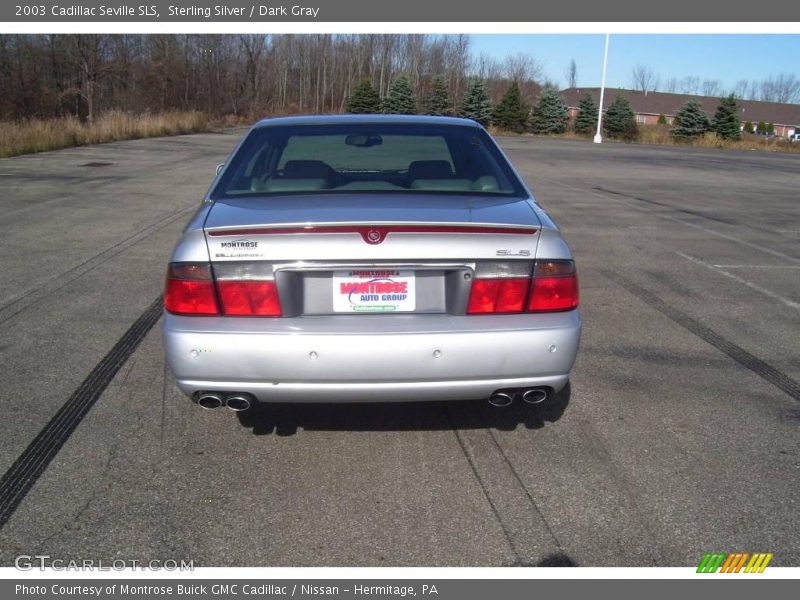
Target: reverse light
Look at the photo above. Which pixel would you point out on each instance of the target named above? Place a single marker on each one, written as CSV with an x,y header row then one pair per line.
x,y
499,287
247,289
249,298
492,296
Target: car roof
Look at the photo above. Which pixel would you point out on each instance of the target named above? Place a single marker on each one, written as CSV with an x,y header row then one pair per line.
x,y
369,119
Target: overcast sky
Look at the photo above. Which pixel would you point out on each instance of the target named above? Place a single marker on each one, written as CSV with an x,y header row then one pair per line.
x,y
727,58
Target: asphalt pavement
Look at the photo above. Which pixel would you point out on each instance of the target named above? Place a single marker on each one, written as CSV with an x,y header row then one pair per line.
x,y
677,436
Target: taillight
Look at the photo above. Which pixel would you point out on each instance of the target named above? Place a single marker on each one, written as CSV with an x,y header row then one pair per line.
x,y
247,289
243,289
190,290
497,296
554,287
508,287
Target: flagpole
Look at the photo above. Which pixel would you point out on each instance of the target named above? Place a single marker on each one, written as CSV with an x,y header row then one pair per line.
x,y
598,138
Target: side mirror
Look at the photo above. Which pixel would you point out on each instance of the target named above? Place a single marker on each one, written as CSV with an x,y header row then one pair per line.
x,y
220,167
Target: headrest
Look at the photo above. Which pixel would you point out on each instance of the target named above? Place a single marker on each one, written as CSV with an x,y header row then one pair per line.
x,y
307,169
430,169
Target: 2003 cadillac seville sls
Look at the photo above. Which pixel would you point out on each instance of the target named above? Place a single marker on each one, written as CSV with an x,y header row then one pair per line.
x,y
370,258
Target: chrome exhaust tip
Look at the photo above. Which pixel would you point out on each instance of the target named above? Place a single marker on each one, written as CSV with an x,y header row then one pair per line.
x,y
209,400
501,399
535,396
237,402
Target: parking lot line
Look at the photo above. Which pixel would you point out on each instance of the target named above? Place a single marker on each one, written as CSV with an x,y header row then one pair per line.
x,y
676,220
750,284
757,266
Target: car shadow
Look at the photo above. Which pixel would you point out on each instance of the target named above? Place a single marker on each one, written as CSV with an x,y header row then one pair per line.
x,y
285,419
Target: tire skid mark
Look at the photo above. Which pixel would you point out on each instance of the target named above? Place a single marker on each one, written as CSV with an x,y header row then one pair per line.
x,y
527,531
483,486
524,487
624,486
686,211
763,369
34,460
35,295
50,286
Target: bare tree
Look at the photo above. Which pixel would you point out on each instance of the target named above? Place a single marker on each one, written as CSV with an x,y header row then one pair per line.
x,y
754,90
740,89
644,79
522,67
91,68
689,85
256,75
252,49
458,61
711,87
488,67
572,74
783,88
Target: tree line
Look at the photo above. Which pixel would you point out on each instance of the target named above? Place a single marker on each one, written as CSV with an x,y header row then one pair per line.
x,y
690,120
548,115
783,88
250,76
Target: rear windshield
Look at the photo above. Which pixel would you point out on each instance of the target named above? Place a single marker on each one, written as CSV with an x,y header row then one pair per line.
x,y
325,159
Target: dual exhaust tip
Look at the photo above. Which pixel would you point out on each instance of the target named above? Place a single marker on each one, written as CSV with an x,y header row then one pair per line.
x,y
234,401
529,396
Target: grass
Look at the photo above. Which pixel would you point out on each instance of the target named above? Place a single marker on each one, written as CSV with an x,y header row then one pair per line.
x,y
41,135
660,135
38,135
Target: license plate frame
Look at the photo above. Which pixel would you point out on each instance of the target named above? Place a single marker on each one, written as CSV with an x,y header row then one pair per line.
x,y
371,291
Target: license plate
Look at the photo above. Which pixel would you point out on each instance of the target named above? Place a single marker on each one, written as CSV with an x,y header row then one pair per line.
x,y
373,291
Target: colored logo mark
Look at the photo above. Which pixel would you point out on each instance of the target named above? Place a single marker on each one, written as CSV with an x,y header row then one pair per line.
x,y
734,562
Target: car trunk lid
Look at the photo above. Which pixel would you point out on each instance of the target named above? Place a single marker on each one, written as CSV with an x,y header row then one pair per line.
x,y
369,227
367,253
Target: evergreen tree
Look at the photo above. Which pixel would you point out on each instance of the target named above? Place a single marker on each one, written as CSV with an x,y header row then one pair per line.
x,y
364,99
551,114
586,121
726,119
662,119
437,103
770,128
620,120
690,121
476,104
400,98
748,127
761,127
512,112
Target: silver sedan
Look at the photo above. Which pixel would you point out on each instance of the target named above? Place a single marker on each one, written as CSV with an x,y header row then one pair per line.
x,y
365,259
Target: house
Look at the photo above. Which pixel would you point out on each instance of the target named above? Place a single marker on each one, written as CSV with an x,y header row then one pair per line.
x,y
649,105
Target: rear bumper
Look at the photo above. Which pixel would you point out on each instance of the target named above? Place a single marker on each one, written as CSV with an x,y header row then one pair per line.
x,y
371,358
